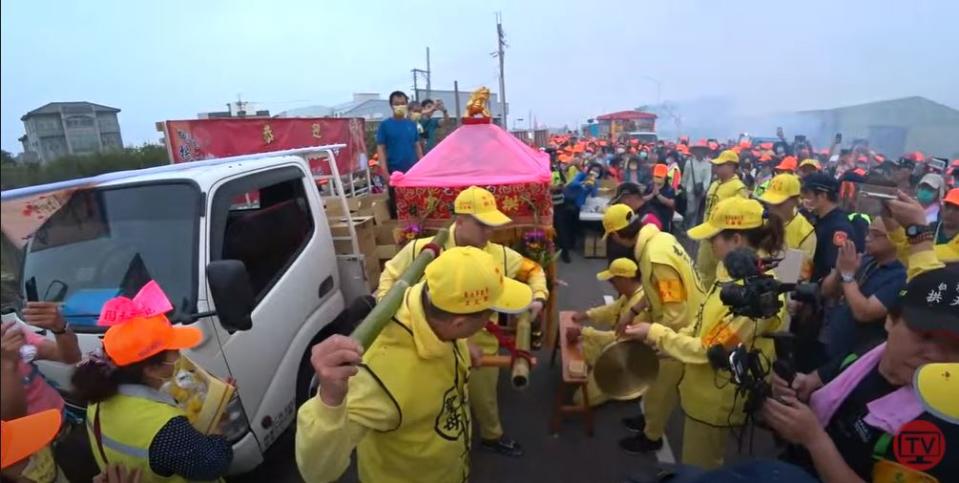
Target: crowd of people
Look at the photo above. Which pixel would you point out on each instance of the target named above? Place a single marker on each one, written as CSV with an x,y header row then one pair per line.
x,y
883,315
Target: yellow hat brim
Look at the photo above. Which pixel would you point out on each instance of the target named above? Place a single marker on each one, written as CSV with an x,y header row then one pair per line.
x,y
604,275
773,198
936,385
719,161
703,231
515,298
492,218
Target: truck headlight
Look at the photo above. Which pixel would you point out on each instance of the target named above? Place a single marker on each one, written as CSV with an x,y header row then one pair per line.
x,y
236,425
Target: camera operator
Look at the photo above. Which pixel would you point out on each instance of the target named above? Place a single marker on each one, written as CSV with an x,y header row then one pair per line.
x,y
865,286
845,432
711,407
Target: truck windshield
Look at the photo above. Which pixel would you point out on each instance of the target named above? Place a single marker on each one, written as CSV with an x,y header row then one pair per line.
x,y
112,241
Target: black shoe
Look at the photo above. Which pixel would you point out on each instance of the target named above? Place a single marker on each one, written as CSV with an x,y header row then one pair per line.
x,y
635,424
565,256
640,444
503,446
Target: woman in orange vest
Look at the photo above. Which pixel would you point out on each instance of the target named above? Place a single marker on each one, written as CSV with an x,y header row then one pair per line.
x,y
130,421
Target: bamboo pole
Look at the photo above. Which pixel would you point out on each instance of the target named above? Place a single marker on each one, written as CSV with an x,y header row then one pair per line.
x,y
376,320
521,365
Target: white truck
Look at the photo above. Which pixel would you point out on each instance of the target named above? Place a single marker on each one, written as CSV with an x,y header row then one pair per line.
x,y
261,279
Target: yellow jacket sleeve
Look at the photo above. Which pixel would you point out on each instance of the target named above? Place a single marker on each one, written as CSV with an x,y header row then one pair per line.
x,y
527,271
326,436
673,310
922,261
606,315
691,348
898,238
394,268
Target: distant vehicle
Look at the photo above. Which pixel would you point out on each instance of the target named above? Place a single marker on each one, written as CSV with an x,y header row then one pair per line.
x,y
645,137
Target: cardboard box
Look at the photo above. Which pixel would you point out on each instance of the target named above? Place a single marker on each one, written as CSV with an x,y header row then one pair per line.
x,y
365,235
372,272
594,246
381,212
386,233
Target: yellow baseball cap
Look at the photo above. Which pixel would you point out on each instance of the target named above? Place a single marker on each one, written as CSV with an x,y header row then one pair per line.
x,y
466,280
621,267
781,188
481,204
937,385
616,218
811,162
727,156
731,213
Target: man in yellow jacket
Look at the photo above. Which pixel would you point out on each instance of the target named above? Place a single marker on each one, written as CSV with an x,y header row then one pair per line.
x,y
476,217
673,293
624,277
404,404
726,185
782,198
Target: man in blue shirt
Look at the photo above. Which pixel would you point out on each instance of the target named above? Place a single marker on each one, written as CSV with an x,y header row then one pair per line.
x,y
397,140
431,124
866,287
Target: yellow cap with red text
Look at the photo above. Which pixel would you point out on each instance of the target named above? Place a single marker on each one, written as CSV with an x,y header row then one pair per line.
x,y
729,214
781,188
616,218
467,280
481,204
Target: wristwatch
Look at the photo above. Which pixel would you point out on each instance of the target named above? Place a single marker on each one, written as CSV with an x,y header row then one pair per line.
x,y
847,277
918,233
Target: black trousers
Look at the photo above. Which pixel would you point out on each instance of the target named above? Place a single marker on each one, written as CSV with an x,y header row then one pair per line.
x,y
566,223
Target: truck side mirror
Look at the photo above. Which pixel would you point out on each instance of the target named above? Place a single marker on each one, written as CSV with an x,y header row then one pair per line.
x,y
232,293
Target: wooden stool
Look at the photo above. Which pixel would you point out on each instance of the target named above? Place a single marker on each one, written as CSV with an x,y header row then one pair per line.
x,y
570,353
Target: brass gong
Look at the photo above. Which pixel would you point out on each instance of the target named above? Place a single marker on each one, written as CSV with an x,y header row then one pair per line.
x,y
625,369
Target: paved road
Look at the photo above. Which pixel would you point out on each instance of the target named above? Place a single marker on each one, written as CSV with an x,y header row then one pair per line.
x,y
570,456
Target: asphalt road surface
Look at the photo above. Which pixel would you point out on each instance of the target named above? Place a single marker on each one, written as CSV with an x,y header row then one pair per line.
x,y
569,456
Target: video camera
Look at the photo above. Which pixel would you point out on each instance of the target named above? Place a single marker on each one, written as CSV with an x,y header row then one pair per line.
x,y
758,296
749,368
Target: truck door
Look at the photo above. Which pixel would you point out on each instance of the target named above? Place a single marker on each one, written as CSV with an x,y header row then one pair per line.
x,y
268,221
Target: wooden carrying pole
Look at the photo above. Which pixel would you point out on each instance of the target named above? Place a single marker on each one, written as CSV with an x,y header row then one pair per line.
x,y
376,320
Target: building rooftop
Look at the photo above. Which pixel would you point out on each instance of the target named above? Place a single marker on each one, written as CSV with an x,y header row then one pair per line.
x,y
58,107
625,116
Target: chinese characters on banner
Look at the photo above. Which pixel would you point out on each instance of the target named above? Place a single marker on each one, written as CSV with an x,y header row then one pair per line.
x,y
198,139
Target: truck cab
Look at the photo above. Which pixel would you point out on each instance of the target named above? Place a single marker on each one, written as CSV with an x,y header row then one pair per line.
x,y
241,247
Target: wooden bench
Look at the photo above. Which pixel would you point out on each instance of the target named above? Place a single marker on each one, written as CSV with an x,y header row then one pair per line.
x,y
571,353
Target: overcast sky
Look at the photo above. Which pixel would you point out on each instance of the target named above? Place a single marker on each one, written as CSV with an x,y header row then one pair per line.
x,y
566,61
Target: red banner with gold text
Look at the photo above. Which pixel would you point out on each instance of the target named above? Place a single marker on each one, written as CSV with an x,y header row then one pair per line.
x,y
198,139
527,204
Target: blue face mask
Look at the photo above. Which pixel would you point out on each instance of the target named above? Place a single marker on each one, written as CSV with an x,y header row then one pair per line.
x,y
925,196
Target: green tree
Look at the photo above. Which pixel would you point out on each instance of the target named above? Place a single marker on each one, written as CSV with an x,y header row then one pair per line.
x,y
82,166
6,158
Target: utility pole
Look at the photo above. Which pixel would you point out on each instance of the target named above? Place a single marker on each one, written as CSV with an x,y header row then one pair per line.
x,y
429,93
416,95
501,44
